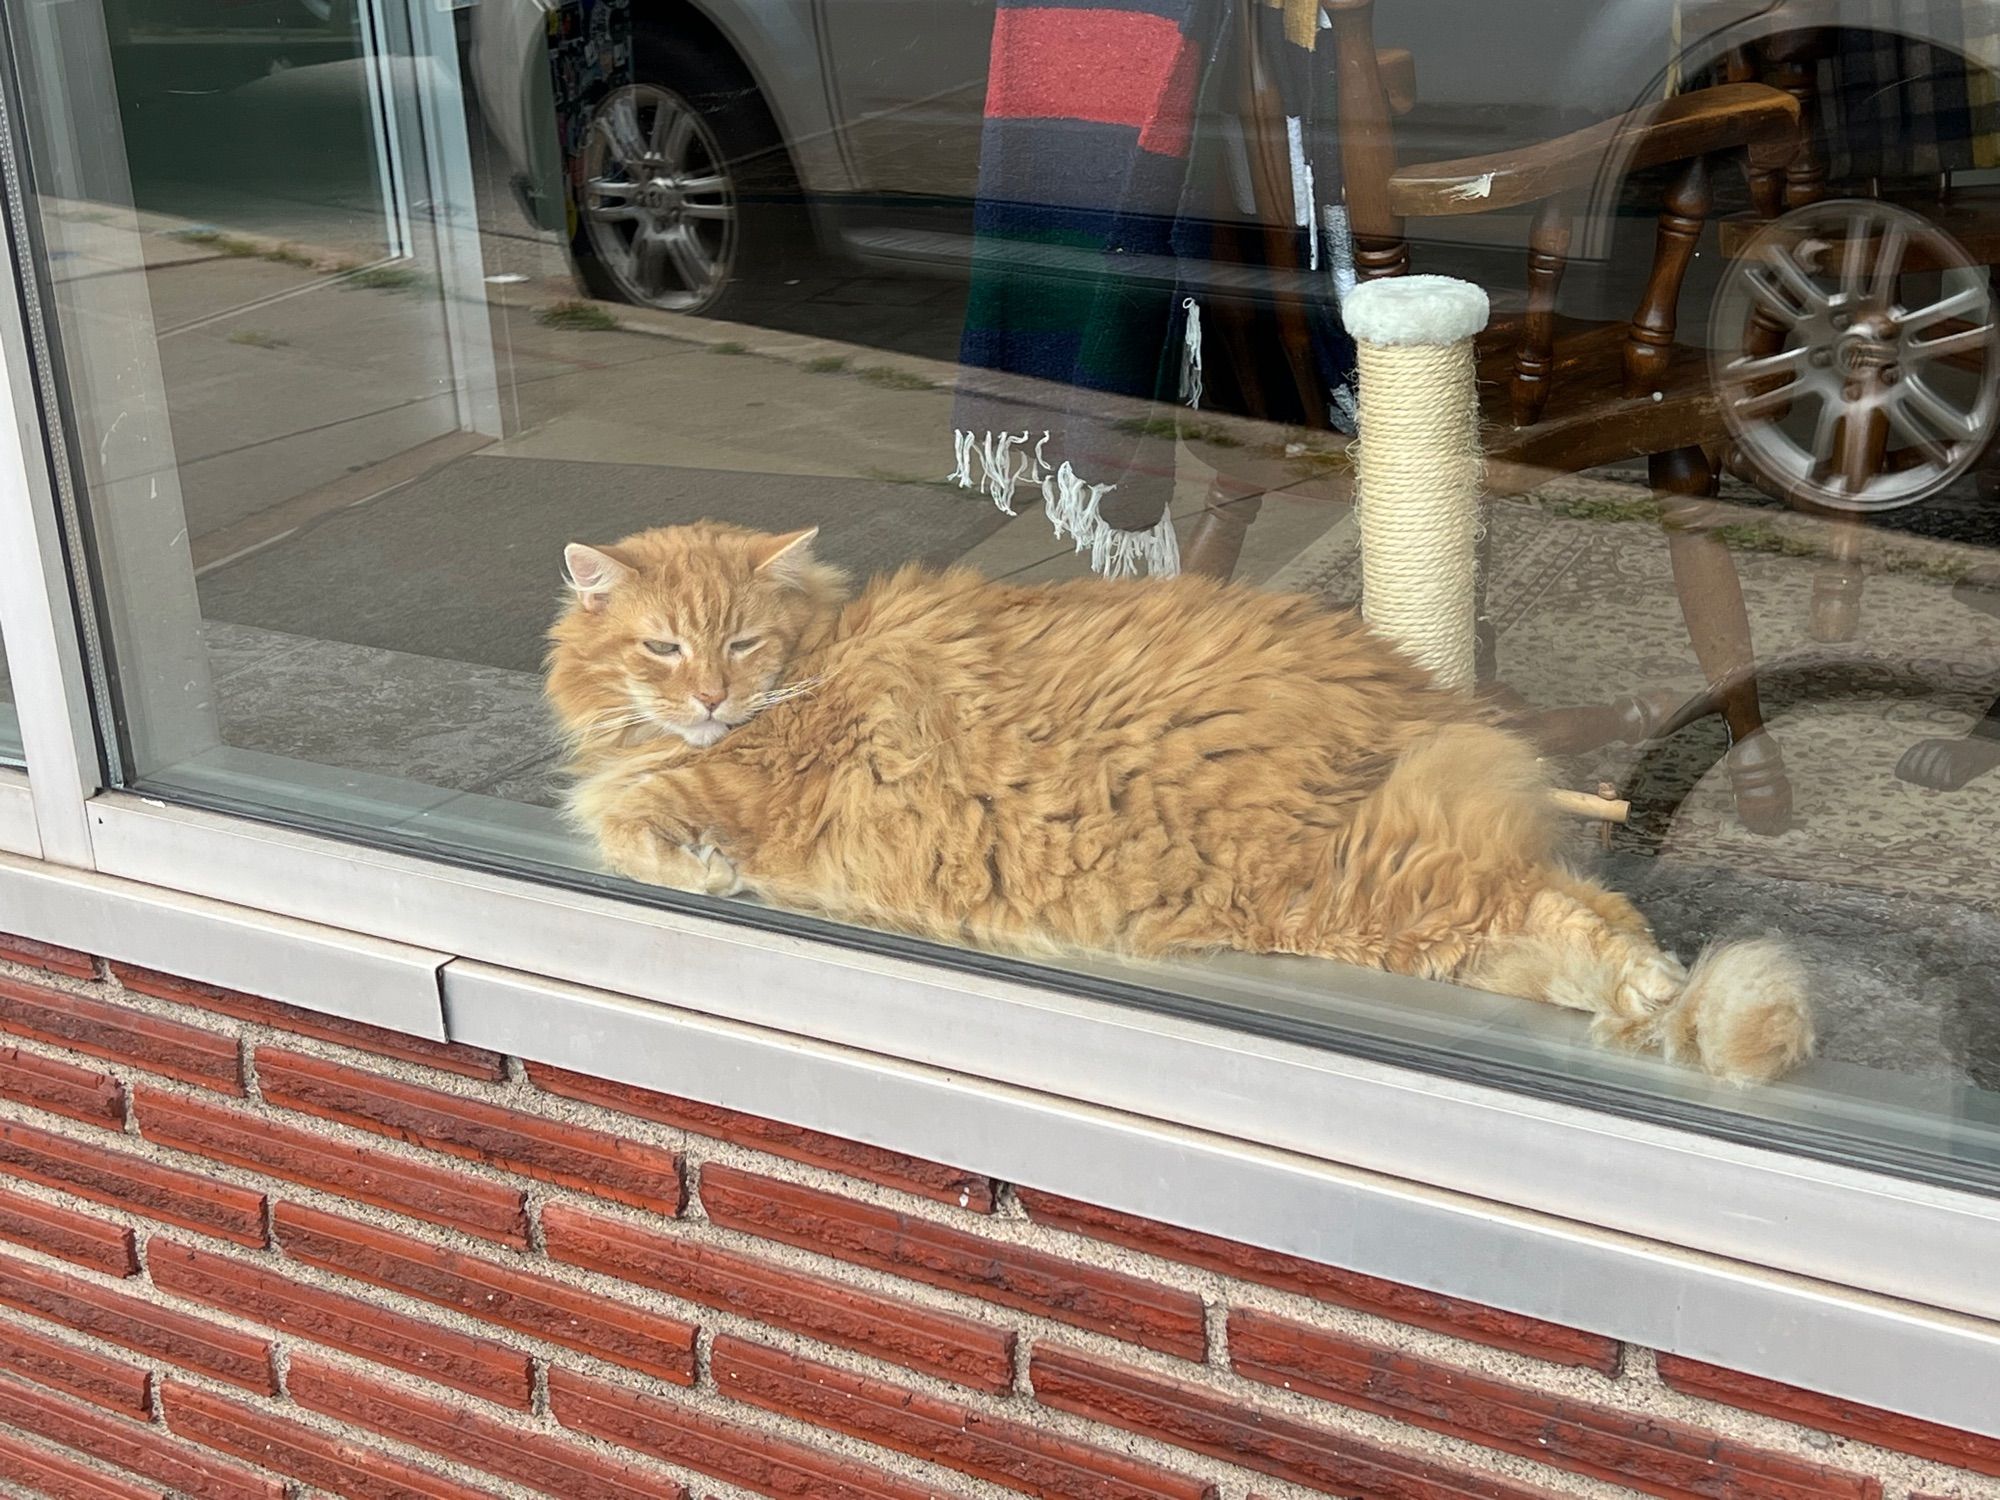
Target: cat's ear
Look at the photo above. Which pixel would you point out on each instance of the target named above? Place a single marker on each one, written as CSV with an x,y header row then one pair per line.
x,y
783,557
593,573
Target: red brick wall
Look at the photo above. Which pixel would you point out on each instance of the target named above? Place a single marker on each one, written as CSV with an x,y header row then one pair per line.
x,y
250,1251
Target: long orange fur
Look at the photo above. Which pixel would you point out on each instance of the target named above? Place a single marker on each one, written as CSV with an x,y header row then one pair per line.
x,y
1172,766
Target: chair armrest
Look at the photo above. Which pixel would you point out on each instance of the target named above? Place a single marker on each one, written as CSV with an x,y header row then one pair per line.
x,y
1398,67
1727,116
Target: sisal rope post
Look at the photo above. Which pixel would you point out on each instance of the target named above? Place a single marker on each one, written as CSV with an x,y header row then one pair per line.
x,y
1417,465
1416,480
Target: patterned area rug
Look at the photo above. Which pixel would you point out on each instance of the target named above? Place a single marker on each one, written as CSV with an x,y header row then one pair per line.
x,y
1581,591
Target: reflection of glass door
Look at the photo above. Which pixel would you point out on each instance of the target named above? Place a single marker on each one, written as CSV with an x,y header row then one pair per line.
x,y
264,265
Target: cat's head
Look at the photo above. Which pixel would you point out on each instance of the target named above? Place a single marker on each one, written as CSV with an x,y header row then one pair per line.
x,y
683,630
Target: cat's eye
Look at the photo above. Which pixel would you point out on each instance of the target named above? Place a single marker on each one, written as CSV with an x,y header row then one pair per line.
x,y
668,649
747,644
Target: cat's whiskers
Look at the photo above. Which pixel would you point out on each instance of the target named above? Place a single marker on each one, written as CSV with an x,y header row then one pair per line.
x,y
613,724
772,697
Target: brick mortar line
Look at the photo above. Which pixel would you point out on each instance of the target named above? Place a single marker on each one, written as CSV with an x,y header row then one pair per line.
x,y
1389,1432
514,1092
1219,1291
710,1321
319,1126
612,1288
288,1410
1901,1472
752,1418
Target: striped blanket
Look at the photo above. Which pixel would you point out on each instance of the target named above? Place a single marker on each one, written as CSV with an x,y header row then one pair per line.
x,y
1109,133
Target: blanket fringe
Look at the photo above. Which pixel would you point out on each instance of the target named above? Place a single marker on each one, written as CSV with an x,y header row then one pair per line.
x,y
1073,503
1191,354
1000,463
1004,464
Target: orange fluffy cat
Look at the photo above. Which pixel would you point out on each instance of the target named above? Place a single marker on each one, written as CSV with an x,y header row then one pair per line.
x,y
1172,766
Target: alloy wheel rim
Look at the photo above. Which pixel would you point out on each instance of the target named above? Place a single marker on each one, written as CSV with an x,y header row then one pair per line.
x,y
658,200
1856,354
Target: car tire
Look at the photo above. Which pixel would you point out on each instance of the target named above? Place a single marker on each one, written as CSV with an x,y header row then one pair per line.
x,y
710,209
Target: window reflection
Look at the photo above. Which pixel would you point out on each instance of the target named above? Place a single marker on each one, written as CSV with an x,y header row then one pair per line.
x,y
10,724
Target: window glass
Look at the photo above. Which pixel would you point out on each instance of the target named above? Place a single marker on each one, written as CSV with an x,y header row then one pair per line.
x,y
10,722
386,329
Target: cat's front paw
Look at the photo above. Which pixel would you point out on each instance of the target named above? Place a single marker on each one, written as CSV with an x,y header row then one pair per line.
x,y
635,849
719,876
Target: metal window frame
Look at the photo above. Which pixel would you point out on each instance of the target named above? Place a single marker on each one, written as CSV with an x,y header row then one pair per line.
x,y
43,812
18,833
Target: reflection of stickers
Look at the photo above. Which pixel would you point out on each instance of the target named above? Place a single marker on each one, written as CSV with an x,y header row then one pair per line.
x,y
590,53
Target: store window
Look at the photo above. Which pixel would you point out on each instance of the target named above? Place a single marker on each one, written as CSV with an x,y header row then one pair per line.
x,y
390,333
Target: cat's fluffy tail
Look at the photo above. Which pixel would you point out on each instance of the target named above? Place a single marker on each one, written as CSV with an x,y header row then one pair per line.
x,y
1742,1013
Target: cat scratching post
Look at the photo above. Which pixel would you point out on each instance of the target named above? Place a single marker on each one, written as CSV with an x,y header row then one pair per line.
x,y
1416,479
1417,465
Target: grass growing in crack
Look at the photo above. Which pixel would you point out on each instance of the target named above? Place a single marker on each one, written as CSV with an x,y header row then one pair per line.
x,y
222,244
256,338
1173,427
826,364
389,279
897,476
729,346
1754,536
1602,508
577,315
890,378
243,249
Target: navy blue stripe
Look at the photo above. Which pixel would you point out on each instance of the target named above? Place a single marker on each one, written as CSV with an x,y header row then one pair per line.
x,y
1180,12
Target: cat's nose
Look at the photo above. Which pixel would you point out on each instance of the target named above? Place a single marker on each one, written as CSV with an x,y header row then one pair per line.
x,y
710,700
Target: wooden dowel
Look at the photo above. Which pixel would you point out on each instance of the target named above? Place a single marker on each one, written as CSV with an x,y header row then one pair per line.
x,y
1591,805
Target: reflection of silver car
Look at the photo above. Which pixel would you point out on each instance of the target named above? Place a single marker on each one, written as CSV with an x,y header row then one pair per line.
x,y
752,129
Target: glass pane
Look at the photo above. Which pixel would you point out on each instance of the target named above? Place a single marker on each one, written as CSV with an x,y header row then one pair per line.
x,y
366,311
10,722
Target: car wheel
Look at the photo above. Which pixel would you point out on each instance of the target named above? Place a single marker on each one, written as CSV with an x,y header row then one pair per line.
x,y
1856,353
687,200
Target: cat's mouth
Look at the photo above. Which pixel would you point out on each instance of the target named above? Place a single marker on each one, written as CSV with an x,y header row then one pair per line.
x,y
703,732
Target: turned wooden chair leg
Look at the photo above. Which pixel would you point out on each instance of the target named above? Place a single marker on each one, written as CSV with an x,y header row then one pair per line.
x,y
1791,63
1534,361
1711,599
1217,541
1835,613
1986,472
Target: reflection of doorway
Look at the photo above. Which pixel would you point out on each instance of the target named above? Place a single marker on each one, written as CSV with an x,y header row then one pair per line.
x,y
317,335
255,115
266,273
